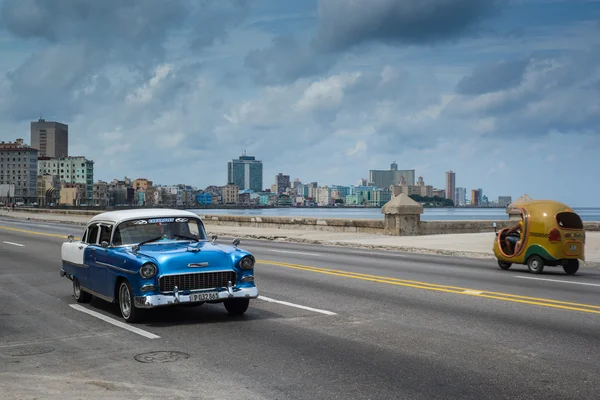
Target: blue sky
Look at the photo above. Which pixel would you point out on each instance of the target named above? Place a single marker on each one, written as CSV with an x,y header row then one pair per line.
x,y
505,93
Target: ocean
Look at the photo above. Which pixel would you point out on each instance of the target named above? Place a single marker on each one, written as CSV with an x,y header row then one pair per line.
x,y
429,214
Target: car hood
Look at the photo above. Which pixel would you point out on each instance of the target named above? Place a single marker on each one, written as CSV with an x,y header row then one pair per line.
x,y
177,257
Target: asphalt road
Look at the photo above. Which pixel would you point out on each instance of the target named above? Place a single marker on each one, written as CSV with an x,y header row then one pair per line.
x,y
332,323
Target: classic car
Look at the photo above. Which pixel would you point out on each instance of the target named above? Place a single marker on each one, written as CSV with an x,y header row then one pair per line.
x,y
146,258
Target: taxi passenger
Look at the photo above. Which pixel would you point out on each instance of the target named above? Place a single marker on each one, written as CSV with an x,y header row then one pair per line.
x,y
514,240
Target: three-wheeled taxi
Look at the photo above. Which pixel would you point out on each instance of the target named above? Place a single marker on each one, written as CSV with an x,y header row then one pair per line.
x,y
552,234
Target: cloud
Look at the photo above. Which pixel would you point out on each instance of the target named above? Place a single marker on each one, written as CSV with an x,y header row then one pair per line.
x,y
344,24
85,39
557,91
286,60
493,77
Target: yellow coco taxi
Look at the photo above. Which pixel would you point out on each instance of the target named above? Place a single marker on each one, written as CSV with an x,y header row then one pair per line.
x,y
549,234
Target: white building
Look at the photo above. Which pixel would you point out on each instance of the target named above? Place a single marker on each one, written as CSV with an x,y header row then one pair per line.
x,y
324,196
18,167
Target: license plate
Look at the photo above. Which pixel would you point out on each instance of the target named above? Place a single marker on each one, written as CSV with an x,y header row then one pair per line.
x,y
204,296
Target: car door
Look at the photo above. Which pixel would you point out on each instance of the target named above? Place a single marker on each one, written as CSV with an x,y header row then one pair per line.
x,y
73,255
102,263
90,255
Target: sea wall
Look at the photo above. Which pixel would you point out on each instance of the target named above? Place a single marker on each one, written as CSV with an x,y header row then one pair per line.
x,y
328,224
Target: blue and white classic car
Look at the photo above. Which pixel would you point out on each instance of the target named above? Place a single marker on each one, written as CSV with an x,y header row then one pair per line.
x,y
149,258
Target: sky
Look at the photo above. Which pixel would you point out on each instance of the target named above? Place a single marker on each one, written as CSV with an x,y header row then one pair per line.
x,y
506,93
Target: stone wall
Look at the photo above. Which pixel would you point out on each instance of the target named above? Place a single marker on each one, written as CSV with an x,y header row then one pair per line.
x,y
320,224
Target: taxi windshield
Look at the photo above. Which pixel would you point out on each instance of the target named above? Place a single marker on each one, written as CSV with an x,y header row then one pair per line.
x,y
140,230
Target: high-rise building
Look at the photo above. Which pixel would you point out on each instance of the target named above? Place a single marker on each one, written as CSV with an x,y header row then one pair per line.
x,y
18,172
71,170
50,138
282,182
504,201
451,186
246,172
476,197
461,196
393,176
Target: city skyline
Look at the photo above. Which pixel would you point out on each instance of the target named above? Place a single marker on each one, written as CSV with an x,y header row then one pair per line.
x,y
502,93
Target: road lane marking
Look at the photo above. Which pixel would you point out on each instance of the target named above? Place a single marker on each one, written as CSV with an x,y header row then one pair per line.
x,y
8,228
14,244
558,280
565,305
285,303
120,324
295,252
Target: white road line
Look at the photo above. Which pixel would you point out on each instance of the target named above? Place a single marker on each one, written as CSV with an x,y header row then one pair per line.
x,y
123,325
296,252
14,244
559,281
285,303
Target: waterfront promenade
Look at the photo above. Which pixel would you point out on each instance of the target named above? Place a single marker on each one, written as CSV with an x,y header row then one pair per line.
x,y
473,245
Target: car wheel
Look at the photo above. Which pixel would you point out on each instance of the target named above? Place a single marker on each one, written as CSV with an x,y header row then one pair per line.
x,y
80,295
237,306
128,310
504,264
535,264
572,267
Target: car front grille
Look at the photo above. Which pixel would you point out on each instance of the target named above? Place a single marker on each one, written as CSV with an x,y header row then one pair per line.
x,y
196,281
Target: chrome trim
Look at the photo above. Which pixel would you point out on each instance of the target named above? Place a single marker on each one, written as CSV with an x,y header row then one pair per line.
x,y
98,295
75,264
147,287
116,268
247,278
160,300
198,265
192,273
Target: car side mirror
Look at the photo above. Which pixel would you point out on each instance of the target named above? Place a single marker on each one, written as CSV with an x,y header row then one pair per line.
x,y
71,238
236,242
104,244
214,238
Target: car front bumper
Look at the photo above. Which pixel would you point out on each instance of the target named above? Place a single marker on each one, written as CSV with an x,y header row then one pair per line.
x,y
159,300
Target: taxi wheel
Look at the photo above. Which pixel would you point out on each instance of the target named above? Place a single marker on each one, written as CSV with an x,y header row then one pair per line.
x,y
572,267
237,306
504,264
80,295
535,264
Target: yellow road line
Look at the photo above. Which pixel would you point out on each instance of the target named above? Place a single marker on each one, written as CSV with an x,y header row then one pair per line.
x,y
589,308
8,228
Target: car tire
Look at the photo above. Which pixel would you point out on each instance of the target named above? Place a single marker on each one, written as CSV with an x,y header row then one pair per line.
x,y
504,265
237,306
80,295
126,303
572,267
535,264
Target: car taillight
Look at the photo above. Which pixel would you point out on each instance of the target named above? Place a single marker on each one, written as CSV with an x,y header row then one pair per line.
x,y
554,235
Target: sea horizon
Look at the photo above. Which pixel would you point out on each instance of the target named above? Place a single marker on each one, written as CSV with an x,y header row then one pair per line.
x,y
588,214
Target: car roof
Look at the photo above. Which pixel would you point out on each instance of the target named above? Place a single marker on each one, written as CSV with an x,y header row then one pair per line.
x,y
124,215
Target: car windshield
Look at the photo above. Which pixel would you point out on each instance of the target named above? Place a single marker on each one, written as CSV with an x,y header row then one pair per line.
x,y
139,230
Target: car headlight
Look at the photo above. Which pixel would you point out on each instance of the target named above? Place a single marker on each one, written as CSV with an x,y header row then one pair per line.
x,y
148,270
247,262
